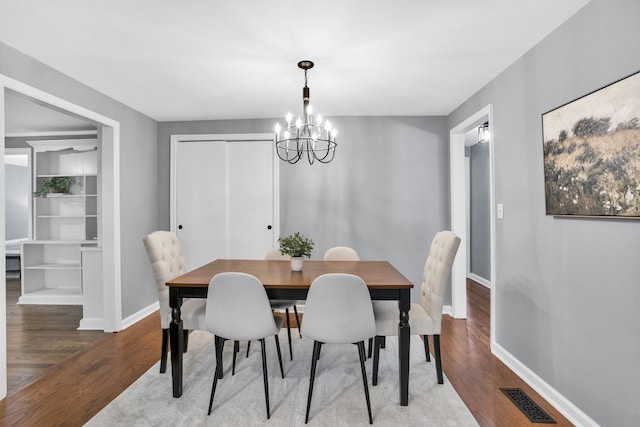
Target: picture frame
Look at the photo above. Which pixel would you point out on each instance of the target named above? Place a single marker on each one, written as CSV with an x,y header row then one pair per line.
x,y
591,152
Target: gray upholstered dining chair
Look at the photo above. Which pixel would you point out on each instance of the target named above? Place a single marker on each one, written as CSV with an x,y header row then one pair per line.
x,y
279,304
425,318
232,293
338,310
341,253
165,255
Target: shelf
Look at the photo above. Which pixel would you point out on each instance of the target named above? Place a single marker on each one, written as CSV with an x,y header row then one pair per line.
x,y
61,196
50,296
67,216
70,175
52,266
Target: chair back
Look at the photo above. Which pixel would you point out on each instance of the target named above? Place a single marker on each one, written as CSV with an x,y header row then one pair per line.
x,y
165,255
275,255
437,268
238,308
341,253
338,310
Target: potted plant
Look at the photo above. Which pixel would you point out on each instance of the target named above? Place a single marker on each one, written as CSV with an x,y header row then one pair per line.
x,y
56,184
297,247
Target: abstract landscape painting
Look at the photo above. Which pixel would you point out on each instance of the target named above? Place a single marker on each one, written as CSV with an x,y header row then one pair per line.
x,y
592,153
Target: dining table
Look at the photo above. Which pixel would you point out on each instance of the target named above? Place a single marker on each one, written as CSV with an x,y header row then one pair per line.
x,y
280,282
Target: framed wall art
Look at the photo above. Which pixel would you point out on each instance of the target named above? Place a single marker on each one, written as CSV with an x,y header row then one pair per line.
x,y
592,153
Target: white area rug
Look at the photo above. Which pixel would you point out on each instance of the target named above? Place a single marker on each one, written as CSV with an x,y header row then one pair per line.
x,y
338,396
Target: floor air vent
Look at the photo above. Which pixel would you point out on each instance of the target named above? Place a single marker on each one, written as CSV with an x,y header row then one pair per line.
x,y
527,406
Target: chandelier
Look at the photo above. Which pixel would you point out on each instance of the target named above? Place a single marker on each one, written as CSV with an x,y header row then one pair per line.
x,y
308,135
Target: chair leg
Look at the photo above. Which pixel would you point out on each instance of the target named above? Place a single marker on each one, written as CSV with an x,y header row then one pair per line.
x,y
289,333
364,378
384,342
319,349
436,352
377,342
163,351
236,349
248,347
279,354
295,310
185,340
425,338
219,344
312,376
265,377
370,348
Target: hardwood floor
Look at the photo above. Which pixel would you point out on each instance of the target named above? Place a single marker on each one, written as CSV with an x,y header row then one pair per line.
x,y
40,336
80,386
476,374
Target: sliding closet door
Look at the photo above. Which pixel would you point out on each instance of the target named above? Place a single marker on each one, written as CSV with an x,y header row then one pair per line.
x,y
224,199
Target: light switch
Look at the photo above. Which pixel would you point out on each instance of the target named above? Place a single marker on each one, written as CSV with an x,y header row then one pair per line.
x,y
500,211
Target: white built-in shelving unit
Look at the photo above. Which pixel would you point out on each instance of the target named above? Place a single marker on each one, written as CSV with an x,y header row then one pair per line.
x,y
63,224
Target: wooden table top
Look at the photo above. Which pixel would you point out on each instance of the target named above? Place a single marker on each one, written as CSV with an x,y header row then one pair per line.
x,y
274,274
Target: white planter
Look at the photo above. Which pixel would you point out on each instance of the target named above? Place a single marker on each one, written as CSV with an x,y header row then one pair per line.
x,y
296,263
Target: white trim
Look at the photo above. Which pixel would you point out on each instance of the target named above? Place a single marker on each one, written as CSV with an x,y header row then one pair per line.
x,y
3,281
484,282
51,133
110,140
550,394
459,209
299,307
140,314
447,309
91,324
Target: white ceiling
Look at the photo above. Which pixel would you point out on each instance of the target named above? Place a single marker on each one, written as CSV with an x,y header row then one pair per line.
x,y
215,59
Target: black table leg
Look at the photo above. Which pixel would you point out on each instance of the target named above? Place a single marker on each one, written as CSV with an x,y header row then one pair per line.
x,y
404,337
176,337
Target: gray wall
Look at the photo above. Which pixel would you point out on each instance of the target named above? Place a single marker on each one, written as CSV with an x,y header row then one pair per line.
x,y
16,202
385,194
480,210
567,290
138,167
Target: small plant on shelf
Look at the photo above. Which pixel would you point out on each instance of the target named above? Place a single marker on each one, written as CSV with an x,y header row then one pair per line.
x,y
56,184
296,245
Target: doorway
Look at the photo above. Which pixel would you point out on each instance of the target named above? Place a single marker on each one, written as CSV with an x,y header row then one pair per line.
x,y
459,209
109,136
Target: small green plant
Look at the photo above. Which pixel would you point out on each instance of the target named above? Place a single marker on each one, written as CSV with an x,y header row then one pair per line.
x,y
56,184
296,245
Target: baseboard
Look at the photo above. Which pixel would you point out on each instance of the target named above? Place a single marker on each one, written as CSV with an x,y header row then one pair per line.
x,y
299,307
550,394
484,282
91,324
135,317
447,309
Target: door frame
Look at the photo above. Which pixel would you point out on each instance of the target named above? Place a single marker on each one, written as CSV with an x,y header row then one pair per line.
x,y
109,138
458,180
234,137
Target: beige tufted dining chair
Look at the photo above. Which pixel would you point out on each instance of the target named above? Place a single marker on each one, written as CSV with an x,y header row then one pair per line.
x,y
341,253
165,255
425,318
